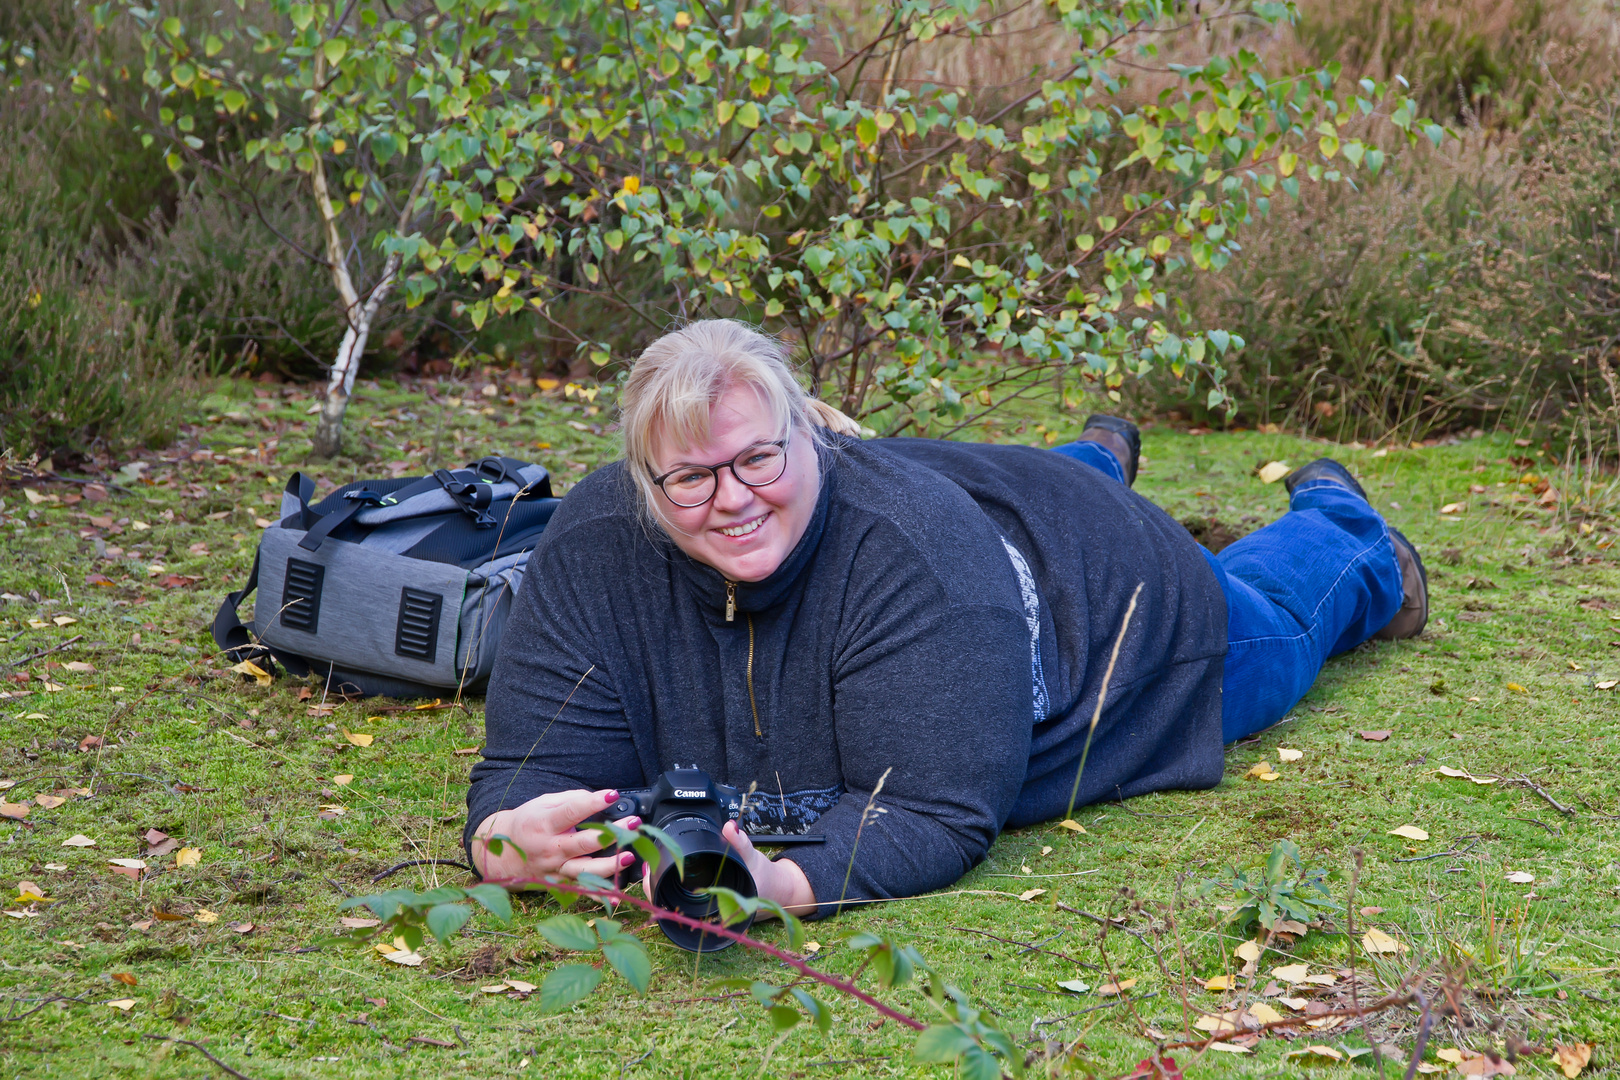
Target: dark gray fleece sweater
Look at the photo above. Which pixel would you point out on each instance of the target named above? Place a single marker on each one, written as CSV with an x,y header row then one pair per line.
x,y
946,618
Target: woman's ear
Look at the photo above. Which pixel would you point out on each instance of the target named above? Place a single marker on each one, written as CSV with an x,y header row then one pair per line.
x,y
824,415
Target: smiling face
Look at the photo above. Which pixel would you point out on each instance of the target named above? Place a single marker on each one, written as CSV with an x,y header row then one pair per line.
x,y
743,532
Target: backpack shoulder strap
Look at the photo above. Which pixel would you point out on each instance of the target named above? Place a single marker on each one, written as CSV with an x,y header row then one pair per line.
x,y
229,633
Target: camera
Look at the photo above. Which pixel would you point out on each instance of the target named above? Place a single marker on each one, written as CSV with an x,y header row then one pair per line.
x,y
691,808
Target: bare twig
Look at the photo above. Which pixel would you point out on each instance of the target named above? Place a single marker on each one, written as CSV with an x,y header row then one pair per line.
x,y
397,867
1026,947
201,1049
45,652
42,1003
1539,790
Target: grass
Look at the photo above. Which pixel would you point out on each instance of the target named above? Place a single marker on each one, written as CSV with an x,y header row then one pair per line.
x,y
242,773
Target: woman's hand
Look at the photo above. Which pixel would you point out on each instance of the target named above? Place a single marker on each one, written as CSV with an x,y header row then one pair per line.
x,y
544,829
781,880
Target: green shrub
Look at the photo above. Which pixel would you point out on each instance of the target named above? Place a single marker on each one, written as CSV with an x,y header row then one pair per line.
x,y
1475,288
80,367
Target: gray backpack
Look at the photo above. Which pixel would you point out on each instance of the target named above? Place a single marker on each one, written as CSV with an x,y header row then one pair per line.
x,y
394,587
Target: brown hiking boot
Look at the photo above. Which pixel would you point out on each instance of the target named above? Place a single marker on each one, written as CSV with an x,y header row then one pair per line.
x,y
1414,613
1120,437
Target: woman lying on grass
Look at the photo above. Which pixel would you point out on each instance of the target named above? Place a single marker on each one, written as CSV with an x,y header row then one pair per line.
x,y
756,592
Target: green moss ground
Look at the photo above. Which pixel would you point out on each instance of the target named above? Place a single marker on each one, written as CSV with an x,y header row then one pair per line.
x,y
242,773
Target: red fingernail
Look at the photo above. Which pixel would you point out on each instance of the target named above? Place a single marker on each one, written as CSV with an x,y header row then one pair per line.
x,y
626,859
612,796
632,823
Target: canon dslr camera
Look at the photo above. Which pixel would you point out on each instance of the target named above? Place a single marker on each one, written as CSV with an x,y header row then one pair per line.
x,y
692,809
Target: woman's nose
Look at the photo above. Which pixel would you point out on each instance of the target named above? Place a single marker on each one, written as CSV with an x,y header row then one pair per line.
x,y
730,493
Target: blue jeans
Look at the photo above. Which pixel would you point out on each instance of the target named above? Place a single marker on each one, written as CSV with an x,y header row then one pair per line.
x,y
1317,581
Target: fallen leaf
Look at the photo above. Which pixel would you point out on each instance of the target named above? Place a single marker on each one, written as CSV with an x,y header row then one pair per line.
x,y
1273,471
1426,1067
425,1041
1376,736
359,924
206,917
168,916
1228,1048
1321,980
1030,894
1516,688
1410,832
188,856
1479,1065
1264,1013
163,847
1075,986
1316,1050
1285,754
1071,825
1572,1059
144,924
79,665
1369,912
132,864
122,1004
1376,942
494,988
520,986
49,802
1224,1024
343,779
64,620
1454,508
7,785
812,947
1521,877
1248,952
1292,973
359,738
14,810
91,742
1115,989
242,927
1290,926
409,959
1458,774
78,840
124,977
1296,1003
1220,982
257,673
466,751
1606,684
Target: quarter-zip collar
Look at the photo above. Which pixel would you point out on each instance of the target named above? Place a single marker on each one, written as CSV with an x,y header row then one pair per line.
x,y
711,588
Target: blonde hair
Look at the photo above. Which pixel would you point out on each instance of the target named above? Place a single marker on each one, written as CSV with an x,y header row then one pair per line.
x,y
675,383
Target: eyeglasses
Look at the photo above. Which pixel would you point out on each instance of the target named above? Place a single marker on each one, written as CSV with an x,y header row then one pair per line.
x,y
694,485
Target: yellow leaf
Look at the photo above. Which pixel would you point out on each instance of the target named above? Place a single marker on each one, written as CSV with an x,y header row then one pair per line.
x,y
1296,1003
1030,894
812,947
1516,688
129,864
1220,982
632,184
1284,754
1321,980
64,620
520,986
359,739
1228,1048
1262,771
1248,952
1072,825
1264,1013
188,856
1410,832
1273,471
1453,508
409,959
1450,1053
1572,1059
343,779
497,988
1292,973
1606,684
206,917
1317,1050
1376,942
122,1004
248,667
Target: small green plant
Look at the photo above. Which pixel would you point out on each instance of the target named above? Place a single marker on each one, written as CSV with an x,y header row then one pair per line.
x,y
1280,888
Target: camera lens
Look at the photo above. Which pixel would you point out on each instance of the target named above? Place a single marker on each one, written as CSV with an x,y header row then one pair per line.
x,y
709,862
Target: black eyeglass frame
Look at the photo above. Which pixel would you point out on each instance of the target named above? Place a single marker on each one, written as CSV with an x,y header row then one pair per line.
x,y
731,464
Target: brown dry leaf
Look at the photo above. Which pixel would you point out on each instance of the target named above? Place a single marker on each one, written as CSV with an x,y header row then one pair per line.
x,y
125,977
91,742
1410,832
49,802
1572,1059
129,864
1228,1048
1321,980
242,927
1474,1064
1072,825
143,924
343,779
1295,1003
1376,942
188,856
168,916
162,847
359,738
27,890
254,671
1376,736
79,665
14,810
409,959
1290,926
465,751
78,840
1030,894
359,924
1115,989
495,988
520,986
1369,912
1316,1050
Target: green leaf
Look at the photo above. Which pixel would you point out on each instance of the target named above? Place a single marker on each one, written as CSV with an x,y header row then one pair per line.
x,y
183,75
724,111
978,1064
815,1008
493,899
567,932
784,1018
629,958
748,116
443,920
383,147
566,985
942,1042
233,100
335,50
866,131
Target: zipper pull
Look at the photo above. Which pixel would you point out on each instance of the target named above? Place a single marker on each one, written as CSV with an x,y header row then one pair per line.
x,y
731,601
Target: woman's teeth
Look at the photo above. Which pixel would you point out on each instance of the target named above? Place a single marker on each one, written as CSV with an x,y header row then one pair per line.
x,y
745,529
